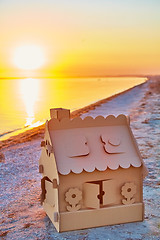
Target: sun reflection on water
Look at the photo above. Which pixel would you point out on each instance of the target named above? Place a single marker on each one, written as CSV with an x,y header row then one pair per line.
x,y
29,90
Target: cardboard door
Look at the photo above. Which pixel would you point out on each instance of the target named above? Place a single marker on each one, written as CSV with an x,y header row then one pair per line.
x,y
90,194
50,193
109,188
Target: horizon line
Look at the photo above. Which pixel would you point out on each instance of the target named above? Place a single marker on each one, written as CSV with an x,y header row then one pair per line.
x,y
88,76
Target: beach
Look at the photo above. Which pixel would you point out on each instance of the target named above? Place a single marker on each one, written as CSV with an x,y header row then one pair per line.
x,y
22,216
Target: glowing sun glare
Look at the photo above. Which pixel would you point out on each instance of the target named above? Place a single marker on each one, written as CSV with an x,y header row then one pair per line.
x,y
29,89
28,57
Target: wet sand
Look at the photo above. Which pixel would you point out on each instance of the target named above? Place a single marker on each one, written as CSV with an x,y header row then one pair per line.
x,y
22,216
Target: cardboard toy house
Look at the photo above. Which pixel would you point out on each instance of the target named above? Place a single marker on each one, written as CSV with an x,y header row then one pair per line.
x,y
92,172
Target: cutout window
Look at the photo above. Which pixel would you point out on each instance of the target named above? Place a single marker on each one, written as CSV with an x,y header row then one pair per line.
x,y
48,148
76,146
112,144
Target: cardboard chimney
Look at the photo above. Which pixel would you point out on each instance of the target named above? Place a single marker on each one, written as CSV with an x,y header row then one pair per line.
x,y
92,172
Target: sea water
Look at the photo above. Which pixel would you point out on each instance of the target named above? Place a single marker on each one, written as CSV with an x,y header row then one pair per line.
x,y
26,102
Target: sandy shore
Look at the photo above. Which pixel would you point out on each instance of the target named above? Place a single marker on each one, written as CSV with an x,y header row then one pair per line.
x,y
22,216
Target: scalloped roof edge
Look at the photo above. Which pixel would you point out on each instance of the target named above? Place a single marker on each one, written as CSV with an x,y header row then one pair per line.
x,y
101,170
66,123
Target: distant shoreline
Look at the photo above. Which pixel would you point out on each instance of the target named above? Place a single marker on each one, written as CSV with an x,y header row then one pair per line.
x,y
38,132
89,76
92,106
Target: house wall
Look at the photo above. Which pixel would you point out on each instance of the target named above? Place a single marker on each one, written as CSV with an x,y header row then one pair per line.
x,y
121,176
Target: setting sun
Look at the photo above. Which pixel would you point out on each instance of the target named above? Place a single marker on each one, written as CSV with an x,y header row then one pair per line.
x,y
28,57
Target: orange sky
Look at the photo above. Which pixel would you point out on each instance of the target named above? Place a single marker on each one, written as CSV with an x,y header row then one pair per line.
x,y
82,38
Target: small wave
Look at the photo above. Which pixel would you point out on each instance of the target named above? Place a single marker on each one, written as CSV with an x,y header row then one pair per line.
x,y
9,132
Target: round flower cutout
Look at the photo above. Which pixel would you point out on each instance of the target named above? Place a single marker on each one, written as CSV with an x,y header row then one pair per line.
x,y
73,196
128,190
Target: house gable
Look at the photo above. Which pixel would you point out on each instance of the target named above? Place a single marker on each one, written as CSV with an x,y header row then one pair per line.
x,y
47,162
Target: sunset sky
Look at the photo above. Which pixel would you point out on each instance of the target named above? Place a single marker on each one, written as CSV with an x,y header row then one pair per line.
x,y
79,38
